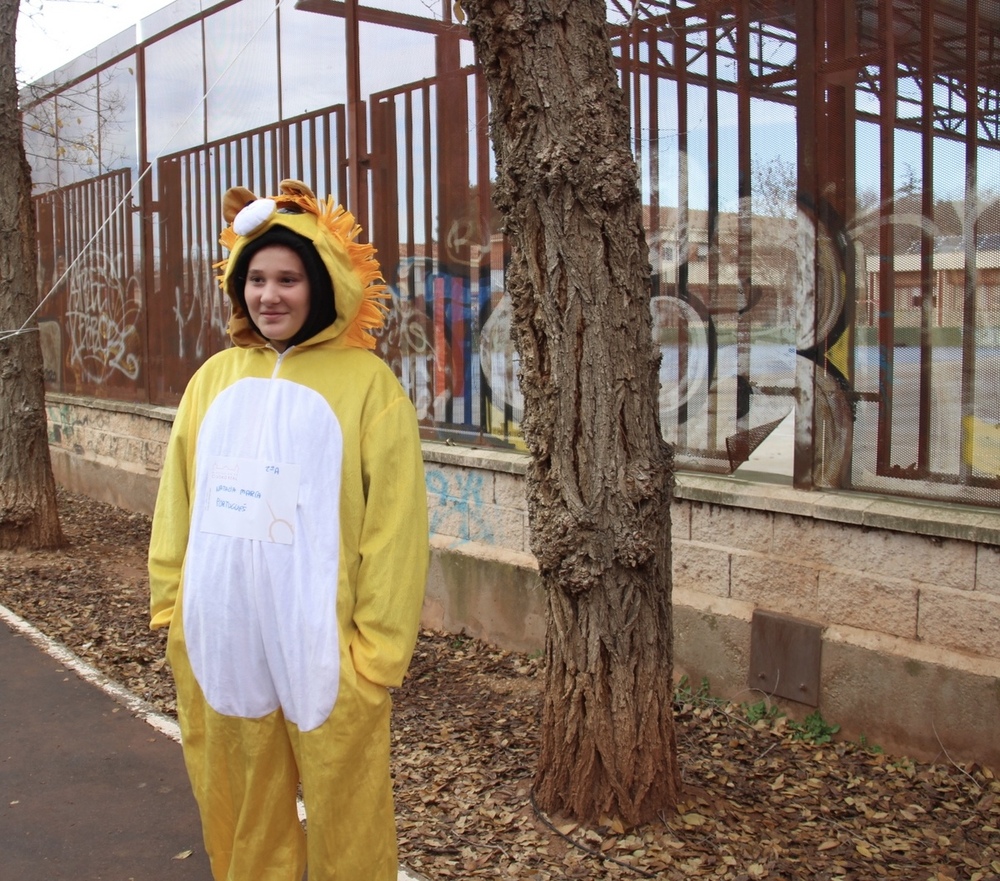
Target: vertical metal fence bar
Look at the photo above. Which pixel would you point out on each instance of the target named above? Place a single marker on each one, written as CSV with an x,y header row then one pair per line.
x,y
107,221
472,299
260,164
190,205
806,68
115,212
483,192
278,157
970,237
84,230
322,188
104,224
121,212
82,233
653,79
334,145
408,275
327,166
744,220
681,253
130,242
221,184
196,234
234,165
887,239
713,293
849,129
342,154
147,258
92,241
430,244
298,168
111,216
632,84
409,184
926,237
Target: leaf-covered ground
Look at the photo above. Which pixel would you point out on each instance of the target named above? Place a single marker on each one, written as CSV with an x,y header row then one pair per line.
x,y
759,801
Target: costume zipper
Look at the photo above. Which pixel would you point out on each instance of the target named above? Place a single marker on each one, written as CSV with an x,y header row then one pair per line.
x,y
265,416
267,403
277,363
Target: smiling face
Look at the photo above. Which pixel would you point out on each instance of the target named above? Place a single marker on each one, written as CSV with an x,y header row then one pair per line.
x,y
277,293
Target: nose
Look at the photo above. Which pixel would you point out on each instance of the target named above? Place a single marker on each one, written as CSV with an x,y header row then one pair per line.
x,y
270,293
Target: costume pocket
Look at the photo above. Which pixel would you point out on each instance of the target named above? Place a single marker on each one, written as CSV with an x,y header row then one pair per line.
x,y
370,693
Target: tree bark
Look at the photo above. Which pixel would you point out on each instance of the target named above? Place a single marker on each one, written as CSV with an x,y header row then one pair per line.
x,y
28,512
599,483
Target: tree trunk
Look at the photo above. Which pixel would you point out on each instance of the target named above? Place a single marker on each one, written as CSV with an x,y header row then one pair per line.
x,y
28,513
599,484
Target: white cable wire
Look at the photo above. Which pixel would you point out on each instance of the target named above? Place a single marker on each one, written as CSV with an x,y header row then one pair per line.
x,y
7,334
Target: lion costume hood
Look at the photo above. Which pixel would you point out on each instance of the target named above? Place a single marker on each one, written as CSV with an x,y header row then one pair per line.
x,y
359,288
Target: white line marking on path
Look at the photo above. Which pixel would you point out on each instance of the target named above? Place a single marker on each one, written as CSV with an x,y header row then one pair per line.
x,y
139,708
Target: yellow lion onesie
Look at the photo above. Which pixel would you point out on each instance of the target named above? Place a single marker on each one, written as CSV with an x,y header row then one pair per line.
x,y
288,557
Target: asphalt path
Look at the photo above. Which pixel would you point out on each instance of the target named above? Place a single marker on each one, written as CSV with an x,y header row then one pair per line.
x,y
89,789
92,778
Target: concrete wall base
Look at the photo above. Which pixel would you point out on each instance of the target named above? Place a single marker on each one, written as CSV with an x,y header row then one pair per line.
x,y
906,698
123,489
909,699
471,589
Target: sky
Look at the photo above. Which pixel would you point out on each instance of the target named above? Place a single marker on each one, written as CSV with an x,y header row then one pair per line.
x,y
52,32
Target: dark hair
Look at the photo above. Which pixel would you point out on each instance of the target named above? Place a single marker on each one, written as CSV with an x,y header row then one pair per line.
x,y
322,300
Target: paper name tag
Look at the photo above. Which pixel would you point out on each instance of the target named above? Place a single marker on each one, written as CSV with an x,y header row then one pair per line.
x,y
251,498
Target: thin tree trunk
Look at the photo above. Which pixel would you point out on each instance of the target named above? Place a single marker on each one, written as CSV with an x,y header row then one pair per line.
x,y
28,513
599,485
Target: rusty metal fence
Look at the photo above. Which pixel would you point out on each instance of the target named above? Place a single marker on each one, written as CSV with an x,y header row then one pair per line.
x,y
440,251
187,323
87,262
821,194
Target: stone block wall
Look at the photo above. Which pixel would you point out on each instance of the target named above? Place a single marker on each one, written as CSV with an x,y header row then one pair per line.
x,y
109,449
921,572
477,496
939,591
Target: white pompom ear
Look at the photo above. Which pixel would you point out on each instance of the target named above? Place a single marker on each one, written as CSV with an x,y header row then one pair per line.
x,y
253,216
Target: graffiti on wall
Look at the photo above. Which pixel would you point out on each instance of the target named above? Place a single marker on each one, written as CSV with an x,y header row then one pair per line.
x,y
726,349
102,314
433,343
200,309
826,254
500,363
456,504
407,342
743,348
